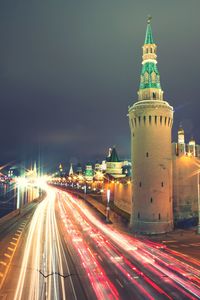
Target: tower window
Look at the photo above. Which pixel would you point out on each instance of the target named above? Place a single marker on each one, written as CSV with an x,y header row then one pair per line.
x,y
159,217
144,118
162,184
138,215
147,154
140,184
154,95
151,200
149,119
160,120
135,121
155,119
139,120
165,120
150,50
147,50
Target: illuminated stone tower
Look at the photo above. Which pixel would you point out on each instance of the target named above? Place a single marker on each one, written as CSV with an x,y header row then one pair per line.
x,y
151,120
181,141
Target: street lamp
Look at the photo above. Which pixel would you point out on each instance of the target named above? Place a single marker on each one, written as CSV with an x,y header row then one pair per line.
x,y
108,204
85,190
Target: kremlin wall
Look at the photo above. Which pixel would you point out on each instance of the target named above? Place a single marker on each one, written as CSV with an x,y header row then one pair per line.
x,y
185,166
160,187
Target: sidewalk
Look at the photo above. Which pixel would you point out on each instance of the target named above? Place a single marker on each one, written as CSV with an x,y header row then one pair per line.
x,y
186,241
116,220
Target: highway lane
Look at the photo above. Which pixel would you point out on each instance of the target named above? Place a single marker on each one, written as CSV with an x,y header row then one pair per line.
x,y
41,268
128,283
148,271
67,252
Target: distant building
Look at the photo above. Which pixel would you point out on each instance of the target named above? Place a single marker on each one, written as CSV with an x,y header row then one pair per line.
x,y
79,169
89,172
114,165
97,166
71,171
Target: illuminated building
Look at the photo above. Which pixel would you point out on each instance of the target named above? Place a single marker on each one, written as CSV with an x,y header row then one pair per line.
x,y
186,165
71,172
113,164
60,168
89,172
151,119
97,166
79,170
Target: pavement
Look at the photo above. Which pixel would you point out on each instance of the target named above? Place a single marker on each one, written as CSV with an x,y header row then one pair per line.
x,y
185,241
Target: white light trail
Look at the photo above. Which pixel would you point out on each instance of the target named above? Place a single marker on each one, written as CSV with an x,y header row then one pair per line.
x,y
43,252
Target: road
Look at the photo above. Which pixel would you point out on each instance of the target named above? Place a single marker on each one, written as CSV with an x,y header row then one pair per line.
x,y
40,268
68,252
132,269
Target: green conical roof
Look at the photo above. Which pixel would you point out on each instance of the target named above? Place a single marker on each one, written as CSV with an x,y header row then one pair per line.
x,y
149,35
113,157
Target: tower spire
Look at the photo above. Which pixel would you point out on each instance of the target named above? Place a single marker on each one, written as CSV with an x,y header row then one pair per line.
x,y
149,35
150,88
71,171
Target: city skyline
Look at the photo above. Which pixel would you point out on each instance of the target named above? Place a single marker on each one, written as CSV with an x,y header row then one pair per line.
x,y
68,74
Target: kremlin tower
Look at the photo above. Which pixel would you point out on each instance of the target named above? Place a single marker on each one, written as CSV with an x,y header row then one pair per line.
x,y
151,119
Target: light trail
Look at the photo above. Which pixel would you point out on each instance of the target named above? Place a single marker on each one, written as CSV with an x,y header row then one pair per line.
x,y
156,262
43,253
101,284
128,270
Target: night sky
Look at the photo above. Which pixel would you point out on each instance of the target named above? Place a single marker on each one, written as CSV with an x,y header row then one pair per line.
x,y
69,70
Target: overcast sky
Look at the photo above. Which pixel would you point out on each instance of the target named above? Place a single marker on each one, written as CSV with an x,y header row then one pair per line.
x,y
69,70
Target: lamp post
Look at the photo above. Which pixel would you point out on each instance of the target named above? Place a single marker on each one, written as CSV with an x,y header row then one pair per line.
x,y
108,205
198,203
108,202
85,191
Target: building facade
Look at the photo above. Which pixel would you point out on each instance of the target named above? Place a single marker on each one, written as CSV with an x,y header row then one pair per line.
x,y
186,166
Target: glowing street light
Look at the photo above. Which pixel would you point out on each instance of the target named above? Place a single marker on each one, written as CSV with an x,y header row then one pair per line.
x,y
108,205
